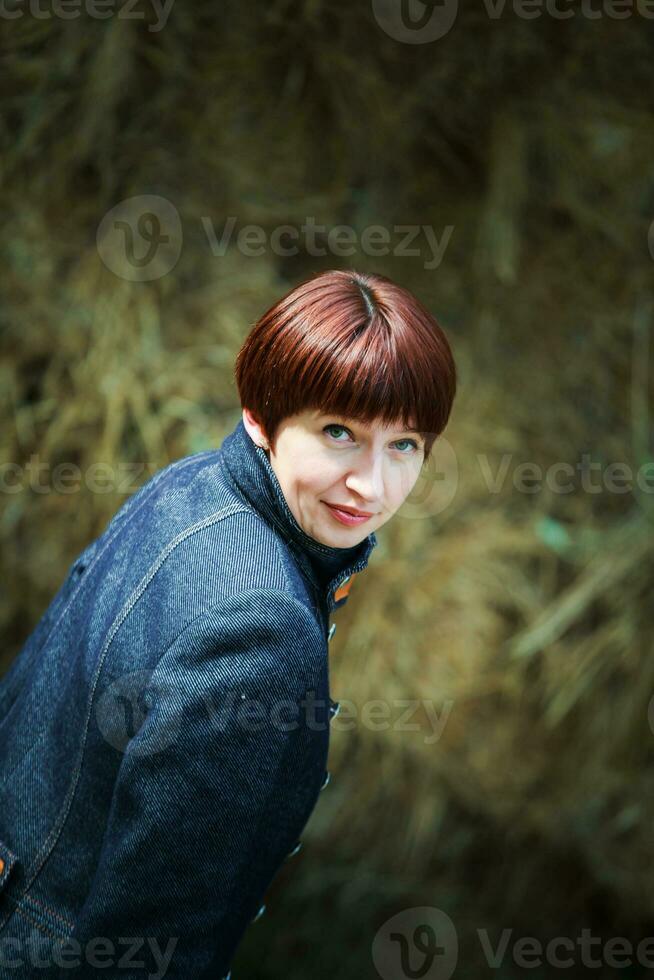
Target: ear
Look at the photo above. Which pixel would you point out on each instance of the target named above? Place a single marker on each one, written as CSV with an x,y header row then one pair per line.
x,y
254,430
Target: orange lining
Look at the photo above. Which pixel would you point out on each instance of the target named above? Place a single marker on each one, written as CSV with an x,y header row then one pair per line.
x,y
343,589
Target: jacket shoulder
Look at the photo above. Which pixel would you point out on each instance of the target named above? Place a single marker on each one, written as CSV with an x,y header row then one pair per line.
x,y
185,542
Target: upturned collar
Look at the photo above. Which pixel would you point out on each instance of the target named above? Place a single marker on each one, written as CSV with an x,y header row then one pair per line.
x,y
251,474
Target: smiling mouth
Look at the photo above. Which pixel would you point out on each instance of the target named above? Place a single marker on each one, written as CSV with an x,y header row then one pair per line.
x,y
349,511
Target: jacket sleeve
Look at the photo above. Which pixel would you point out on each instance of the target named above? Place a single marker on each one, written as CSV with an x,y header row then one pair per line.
x,y
214,788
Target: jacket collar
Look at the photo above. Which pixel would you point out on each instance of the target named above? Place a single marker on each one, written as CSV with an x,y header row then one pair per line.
x,y
250,473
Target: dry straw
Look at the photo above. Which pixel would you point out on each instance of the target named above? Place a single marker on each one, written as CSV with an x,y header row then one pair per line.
x,y
529,613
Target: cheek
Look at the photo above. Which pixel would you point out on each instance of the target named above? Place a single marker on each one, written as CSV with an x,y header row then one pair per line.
x,y
320,474
312,481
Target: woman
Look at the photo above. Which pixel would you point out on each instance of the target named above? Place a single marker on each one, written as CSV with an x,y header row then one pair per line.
x,y
164,730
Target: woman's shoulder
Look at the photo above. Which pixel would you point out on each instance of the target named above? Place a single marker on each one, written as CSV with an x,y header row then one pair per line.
x,y
184,545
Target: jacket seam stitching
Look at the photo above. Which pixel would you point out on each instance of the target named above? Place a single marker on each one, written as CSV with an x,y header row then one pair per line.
x,y
205,612
39,925
96,556
28,899
55,833
224,513
153,483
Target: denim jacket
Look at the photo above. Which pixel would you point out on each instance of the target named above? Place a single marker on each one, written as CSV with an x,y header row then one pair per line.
x,y
164,730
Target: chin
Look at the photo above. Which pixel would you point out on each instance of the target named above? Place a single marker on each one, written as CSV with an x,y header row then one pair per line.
x,y
347,539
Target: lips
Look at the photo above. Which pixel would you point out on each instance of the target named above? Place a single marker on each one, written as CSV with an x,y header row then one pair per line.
x,y
349,510
346,517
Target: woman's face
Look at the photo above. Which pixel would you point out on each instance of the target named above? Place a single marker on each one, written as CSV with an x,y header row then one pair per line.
x,y
323,461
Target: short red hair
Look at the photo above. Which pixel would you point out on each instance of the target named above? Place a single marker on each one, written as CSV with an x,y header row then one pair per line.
x,y
349,344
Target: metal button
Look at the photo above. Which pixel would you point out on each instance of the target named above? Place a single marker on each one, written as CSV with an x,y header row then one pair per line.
x,y
297,847
325,780
259,913
334,708
332,630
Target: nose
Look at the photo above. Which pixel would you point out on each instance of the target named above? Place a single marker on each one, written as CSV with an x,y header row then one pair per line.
x,y
367,479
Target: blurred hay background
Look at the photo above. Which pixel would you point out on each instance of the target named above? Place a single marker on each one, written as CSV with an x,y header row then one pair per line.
x,y
526,617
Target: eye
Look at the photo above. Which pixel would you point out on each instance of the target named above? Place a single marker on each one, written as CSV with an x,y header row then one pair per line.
x,y
411,443
335,426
